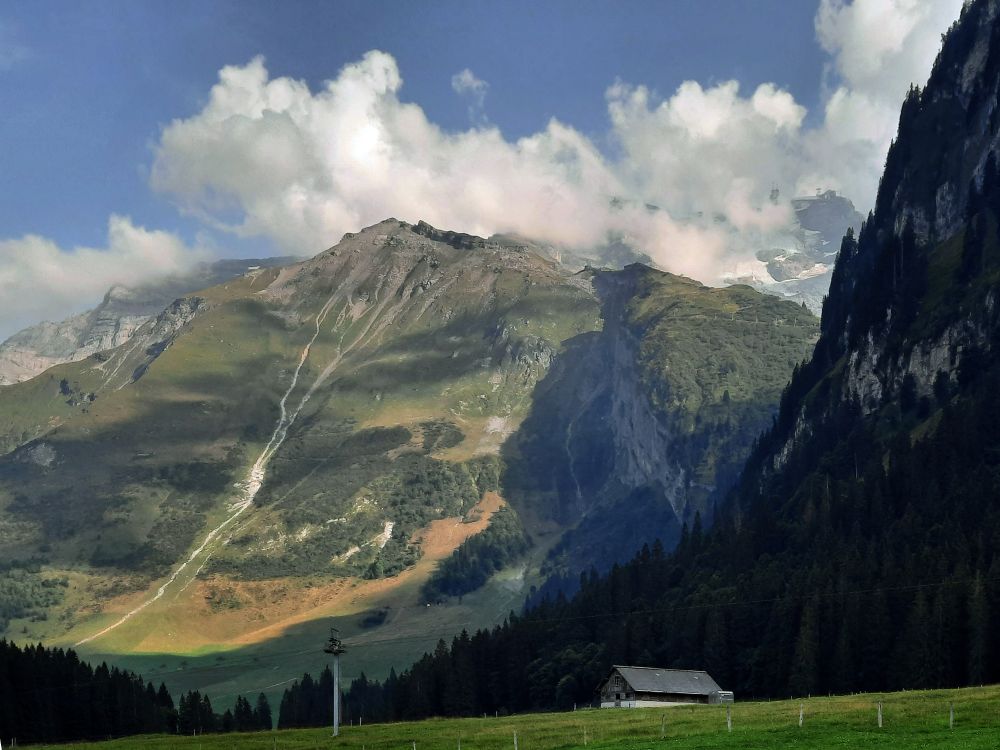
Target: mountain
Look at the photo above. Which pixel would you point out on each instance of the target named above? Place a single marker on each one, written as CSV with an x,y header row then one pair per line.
x,y
122,311
800,270
859,548
315,440
645,423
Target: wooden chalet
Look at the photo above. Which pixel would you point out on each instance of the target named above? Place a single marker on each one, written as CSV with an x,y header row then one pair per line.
x,y
641,687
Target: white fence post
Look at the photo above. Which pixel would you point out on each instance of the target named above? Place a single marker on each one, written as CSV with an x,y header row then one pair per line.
x,y
729,718
880,714
802,710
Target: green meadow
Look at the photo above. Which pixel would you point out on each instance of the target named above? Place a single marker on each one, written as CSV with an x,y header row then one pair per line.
x,y
910,720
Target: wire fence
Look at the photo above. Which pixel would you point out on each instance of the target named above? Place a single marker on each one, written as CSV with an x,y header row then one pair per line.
x,y
961,718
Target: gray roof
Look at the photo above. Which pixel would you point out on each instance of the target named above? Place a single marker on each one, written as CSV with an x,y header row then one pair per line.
x,y
654,680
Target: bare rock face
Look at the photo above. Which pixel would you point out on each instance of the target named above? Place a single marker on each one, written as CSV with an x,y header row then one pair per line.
x,y
912,309
35,349
114,321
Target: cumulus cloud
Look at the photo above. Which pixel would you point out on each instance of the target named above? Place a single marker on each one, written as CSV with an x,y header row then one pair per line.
x,y
466,84
267,156
303,168
40,280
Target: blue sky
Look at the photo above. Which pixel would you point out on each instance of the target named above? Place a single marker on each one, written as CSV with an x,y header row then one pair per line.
x,y
99,80
139,137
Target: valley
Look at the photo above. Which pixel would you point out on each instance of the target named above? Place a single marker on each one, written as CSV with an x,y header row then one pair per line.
x,y
405,375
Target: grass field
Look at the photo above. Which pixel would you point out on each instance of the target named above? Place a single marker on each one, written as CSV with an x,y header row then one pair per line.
x,y
911,719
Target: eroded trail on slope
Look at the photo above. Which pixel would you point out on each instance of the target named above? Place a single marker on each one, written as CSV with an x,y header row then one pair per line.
x,y
249,488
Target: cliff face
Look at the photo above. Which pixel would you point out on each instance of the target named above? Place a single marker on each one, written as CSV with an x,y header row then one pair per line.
x,y
912,309
641,426
644,439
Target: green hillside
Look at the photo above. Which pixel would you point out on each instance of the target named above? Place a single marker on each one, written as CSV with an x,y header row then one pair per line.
x,y
310,442
401,360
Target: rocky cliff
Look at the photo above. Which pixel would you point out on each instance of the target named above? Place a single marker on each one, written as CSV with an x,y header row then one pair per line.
x,y
912,309
644,424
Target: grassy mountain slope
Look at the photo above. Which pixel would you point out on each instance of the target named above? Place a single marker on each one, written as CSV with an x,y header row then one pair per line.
x,y
308,442
424,360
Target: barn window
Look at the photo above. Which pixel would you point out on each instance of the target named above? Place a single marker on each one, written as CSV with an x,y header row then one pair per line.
x,y
618,682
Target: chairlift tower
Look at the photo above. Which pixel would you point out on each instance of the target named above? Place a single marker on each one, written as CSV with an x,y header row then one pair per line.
x,y
335,646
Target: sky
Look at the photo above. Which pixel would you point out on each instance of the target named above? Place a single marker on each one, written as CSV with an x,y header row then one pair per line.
x,y
141,137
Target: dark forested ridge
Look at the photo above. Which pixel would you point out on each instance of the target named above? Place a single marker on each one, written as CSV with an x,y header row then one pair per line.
x,y
49,695
859,550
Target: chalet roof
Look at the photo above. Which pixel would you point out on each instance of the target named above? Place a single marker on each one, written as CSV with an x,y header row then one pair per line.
x,y
680,681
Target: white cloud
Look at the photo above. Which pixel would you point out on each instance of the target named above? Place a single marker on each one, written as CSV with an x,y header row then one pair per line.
x,y
267,156
41,281
878,48
465,83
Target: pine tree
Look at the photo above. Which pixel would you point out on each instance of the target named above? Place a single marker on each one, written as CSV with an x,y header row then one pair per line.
x,y
243,718
262,713
842,669
804,677
206,717
979,634
716,648
914,653
187,714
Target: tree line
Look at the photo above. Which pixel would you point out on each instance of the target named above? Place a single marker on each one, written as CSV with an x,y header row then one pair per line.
x,y
50,695
195,715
